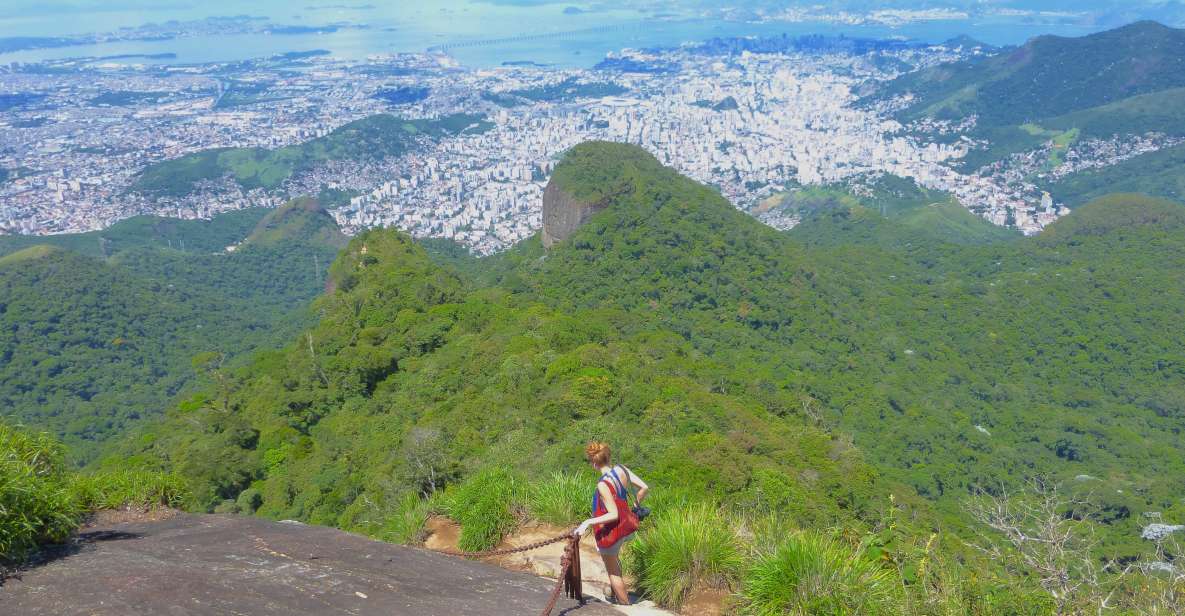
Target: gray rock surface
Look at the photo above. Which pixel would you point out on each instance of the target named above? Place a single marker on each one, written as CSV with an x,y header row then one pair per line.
x,y
1158,532
223,564
563,214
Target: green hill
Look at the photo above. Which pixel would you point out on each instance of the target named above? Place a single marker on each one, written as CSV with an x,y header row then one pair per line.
x,y
920,215
1050,76
91,346
1160,173
417,376
212,235
725,358
370,138
1123,83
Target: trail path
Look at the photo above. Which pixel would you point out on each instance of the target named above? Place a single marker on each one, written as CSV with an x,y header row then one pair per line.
x,y
238,565
444,534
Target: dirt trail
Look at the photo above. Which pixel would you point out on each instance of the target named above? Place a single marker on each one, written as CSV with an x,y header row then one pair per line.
x,y
444,535
238,565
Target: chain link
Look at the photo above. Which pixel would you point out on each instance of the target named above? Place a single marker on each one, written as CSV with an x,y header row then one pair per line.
x,y
508,551
569,566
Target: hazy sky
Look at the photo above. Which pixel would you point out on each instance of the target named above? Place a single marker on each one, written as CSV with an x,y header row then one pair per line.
x,y
60,17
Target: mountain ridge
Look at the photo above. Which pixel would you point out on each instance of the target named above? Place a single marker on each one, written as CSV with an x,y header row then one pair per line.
x,y
94,343
911,350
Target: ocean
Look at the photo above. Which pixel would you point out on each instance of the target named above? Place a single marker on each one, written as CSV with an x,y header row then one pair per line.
x,y
478,34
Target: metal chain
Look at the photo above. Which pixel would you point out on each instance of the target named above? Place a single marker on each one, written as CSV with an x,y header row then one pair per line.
x,y
569,576
569,565
518,550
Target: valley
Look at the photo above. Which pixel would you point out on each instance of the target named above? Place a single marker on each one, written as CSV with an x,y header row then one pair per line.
x,y
888,327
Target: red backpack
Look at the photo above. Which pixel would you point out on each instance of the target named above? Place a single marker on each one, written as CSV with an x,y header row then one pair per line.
x,y
610,533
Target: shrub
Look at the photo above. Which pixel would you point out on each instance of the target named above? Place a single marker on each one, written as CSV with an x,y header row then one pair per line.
x,y
35,505
249,500
485,507
559,499
680,548
811,574
134,489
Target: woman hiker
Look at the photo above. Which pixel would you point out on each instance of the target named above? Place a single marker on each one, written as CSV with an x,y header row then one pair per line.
x,y
613,525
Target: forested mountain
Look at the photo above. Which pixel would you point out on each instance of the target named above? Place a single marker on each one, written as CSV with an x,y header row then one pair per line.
x,y
924,215
188,236
1051,75
91,345
726,358
370,138
1061,94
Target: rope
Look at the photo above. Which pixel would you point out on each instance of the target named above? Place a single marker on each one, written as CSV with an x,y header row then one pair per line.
x,y
569,578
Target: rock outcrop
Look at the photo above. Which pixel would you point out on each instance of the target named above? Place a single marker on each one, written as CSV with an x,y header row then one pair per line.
x,y
563,214
1159,532
230,564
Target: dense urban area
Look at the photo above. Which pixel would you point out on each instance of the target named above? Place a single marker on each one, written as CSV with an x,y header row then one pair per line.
x,y
754,120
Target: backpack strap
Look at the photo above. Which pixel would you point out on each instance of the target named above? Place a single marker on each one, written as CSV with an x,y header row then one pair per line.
x,y
597,492
623,486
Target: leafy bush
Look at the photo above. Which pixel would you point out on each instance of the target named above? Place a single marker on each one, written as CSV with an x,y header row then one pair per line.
x,y
811,574
35,504
485,507
681,548
135,489
561,498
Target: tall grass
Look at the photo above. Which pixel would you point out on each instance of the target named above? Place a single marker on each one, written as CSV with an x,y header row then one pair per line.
x,y
41,502
679,549
559,499
811,574
35,504
407,524
485,506
134,489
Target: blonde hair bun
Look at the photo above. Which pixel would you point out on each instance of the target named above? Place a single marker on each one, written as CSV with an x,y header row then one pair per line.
x,y
597,453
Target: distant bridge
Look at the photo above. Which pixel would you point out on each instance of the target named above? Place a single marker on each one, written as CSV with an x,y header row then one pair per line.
x,y
530,37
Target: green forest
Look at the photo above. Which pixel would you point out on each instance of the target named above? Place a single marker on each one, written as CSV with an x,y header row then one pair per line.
x,y
855,376
1126,82
98,331
369,138
851,400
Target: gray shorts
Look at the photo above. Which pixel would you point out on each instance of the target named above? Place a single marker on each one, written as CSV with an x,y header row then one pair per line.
x,y
615,549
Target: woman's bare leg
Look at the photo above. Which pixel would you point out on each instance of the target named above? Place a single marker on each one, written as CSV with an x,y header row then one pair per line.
x,y
616,582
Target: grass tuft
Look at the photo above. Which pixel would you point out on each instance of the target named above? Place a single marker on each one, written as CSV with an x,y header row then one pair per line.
x,y
35,504
812,574
679,549
407,524
559,499
135,489
40,502
485,506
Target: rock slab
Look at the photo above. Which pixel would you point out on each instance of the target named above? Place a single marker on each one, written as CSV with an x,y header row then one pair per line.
x,y
225,564
563,214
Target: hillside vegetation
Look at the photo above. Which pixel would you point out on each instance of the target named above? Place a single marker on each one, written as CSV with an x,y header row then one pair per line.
x,y
728,362
370,138
42,501
1050,76
90,346
923,215
195,236
1120,84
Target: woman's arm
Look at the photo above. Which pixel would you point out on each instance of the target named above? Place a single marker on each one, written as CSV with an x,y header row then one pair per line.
x,y
637,482
610,510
